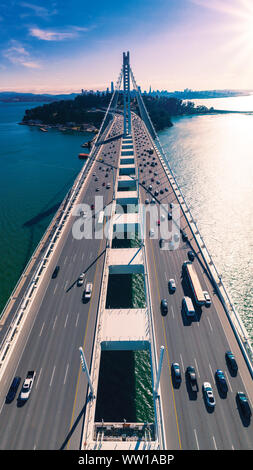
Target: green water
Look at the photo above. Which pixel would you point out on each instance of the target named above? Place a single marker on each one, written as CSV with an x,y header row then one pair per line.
x,y
36,170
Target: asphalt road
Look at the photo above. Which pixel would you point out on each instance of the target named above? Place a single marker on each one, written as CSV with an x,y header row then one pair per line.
x,y
52,418
201,343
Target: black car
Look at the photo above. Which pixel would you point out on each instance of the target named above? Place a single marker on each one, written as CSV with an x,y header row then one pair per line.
x,y
164,307
184,237
191,255
191,377
176,373
55,273
161,242
243,403
221,380
232,364
13,389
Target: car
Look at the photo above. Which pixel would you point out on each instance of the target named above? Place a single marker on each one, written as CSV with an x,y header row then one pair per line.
x,y
221,380
96,179
176,373
243,403
172,285
176,237
152,201
55,273
150,187
97,189
151,232
208,394
158,222
192,379
184,237
80,280
169,215
162,217
161,242
108,186
88,291
191,255
13,390
161,191
230,359
208,302
171,205
27,385
156,193
164,307
158,182
103,184
92,207
146,201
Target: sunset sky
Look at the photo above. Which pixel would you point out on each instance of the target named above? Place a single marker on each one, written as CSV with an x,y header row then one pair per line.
x,y
63,46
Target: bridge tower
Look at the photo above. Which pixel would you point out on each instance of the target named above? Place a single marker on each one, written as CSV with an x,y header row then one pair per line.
x,y
126,85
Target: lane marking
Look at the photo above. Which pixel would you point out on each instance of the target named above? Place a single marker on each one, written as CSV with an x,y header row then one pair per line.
x,y
215,446
55,288
66,320
182,362
211,328
52,376
42,329
172,310
37,381
196,367
77,318
196,437
54,322
66,373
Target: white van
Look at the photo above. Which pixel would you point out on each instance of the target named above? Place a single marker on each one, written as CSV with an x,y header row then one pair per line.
x,y
88,291
187,307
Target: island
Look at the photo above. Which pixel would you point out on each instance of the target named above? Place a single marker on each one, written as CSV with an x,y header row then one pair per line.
x,y
86,112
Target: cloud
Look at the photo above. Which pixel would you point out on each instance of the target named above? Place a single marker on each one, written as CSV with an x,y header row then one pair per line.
x,y
49,35
38,10
18,55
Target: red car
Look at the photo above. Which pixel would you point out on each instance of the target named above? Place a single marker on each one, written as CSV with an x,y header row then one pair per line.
x,y
158,222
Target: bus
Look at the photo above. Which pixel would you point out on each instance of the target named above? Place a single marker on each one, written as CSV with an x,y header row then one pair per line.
x,y
192,276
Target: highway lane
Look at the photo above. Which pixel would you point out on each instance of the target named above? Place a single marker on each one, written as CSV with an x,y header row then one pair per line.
x,y
52,417
201,344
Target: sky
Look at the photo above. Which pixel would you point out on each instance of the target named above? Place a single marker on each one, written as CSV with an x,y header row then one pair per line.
x,y
64,46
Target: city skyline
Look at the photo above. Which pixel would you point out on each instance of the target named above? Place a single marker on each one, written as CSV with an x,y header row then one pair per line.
x,y
60,48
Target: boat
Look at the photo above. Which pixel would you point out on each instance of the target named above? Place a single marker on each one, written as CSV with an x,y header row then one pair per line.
x,y
83,156
43,129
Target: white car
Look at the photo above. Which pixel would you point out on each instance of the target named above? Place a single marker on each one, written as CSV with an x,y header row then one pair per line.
x,y
172,285
80,279
27,385
88,291
208,302
208,394
151,232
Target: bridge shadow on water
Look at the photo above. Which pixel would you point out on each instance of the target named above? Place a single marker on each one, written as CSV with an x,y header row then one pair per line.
x,y
39,223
